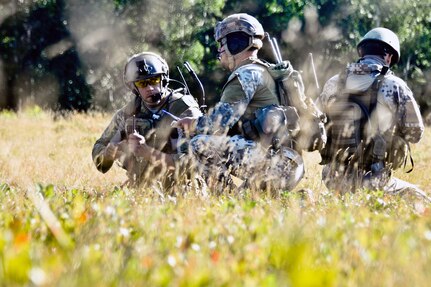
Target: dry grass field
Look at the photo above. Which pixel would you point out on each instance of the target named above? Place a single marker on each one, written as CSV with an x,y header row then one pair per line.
x,y
62,223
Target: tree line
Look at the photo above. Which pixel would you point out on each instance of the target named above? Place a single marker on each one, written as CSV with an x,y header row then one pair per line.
x,y
66,54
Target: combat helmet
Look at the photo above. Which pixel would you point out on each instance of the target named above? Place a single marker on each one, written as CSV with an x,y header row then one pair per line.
x,y
241,22
385,36
145,65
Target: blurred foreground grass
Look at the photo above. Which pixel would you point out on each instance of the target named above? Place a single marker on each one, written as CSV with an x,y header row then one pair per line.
x,y
62,223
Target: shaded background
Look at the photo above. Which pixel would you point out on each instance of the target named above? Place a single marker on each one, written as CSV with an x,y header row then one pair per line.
x,y
69,54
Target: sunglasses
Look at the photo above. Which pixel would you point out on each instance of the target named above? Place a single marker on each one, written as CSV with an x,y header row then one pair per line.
x,y
150,81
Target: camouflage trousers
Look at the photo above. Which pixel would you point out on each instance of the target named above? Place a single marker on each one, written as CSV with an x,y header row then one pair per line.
x,y
234,162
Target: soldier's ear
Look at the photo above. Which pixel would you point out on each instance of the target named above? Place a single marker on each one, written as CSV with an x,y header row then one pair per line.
x,y
388,58
360,51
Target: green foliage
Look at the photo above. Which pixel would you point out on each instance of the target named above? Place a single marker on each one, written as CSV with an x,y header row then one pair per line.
x,y
37,47
330,29
408,19
183,31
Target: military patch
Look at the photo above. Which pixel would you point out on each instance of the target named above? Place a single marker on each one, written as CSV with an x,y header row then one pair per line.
x,y
250,79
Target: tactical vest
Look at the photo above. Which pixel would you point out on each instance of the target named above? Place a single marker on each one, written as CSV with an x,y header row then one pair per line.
x,y
156,126
158,132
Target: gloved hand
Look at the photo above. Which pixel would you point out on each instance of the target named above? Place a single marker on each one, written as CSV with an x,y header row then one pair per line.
x,y
280,70
272,121
135,140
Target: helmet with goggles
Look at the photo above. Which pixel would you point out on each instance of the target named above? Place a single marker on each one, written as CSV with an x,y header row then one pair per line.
x,y
244,23
145,69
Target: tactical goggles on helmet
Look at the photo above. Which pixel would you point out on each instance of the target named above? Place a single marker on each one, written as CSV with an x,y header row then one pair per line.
x,y
150,81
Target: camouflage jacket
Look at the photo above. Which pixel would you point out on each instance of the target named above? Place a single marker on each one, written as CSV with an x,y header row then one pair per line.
x,y
155,126
248,88
396,112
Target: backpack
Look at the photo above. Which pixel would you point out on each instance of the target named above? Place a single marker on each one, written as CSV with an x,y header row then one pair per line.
x,y
349,140
290,89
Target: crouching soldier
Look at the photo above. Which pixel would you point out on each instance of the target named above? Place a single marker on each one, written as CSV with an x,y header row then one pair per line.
x,y
238,139
140,136
372,118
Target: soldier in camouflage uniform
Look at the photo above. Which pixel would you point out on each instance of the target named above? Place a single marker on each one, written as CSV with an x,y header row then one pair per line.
x,y
225,144
394,121
140,135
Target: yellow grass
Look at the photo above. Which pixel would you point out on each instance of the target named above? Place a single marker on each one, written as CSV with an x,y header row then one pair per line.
x,y
86,231
37,147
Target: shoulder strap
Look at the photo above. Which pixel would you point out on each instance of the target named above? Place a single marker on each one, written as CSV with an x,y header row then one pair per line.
x,y
261,62
376,86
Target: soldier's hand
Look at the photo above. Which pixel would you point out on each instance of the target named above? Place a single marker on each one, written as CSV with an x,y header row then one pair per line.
x,y
273,121
280,70
134,141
